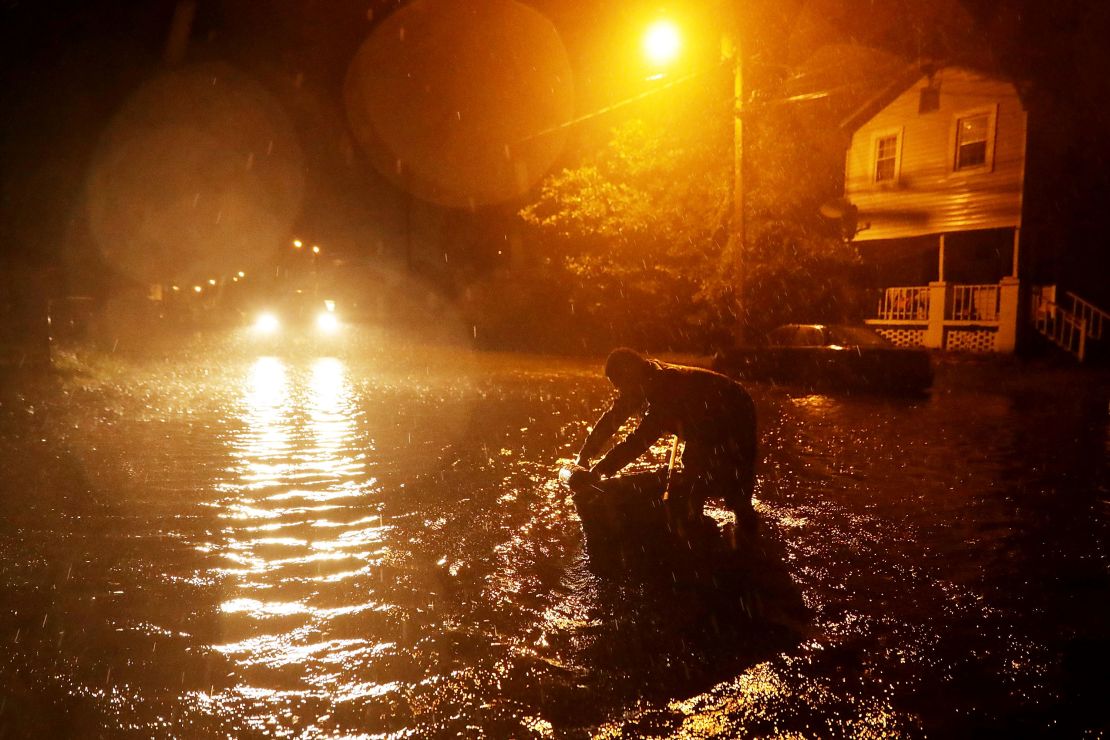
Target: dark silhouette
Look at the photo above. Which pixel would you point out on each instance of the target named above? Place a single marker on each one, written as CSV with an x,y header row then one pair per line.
x,y
712,414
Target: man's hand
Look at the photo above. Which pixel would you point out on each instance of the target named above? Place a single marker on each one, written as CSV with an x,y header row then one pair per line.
x,y
580,479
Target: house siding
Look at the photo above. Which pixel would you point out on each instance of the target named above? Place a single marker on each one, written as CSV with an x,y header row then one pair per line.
x,y
928,195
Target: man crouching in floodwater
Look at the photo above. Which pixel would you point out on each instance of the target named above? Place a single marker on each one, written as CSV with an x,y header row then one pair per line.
x,y
711,413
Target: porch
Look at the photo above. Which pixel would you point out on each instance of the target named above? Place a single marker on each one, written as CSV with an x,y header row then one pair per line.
x,y
941,315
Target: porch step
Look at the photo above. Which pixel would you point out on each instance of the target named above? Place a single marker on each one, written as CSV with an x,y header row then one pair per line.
x,y
1074,325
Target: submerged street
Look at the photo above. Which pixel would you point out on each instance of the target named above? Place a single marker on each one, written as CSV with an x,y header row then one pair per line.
x,y
375,544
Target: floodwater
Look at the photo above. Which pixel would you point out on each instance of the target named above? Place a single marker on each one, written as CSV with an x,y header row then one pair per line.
x,y
373,544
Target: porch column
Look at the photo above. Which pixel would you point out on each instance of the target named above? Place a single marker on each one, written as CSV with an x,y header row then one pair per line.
x,y
1008,294
940,259
939,297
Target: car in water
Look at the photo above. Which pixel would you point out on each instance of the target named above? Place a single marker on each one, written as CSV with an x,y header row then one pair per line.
x,y
832,356
299,319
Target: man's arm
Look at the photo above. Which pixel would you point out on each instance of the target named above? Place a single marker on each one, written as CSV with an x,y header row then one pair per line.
x,y
631,447
606,426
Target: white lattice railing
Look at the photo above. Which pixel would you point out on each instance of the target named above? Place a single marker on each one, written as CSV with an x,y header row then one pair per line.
x,y
973,303
1091,315
904,304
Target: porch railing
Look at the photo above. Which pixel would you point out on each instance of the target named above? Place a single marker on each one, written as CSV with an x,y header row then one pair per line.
x,y
1066,330
904,304
973,303
1092,316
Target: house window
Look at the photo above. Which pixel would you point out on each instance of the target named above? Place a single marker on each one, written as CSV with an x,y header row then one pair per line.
x,y
972,136
886,158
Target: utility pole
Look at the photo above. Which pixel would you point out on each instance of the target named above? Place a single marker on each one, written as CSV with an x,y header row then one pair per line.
x,y
732,53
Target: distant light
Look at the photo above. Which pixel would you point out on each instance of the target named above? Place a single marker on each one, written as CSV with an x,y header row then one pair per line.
x,y
175,287
242,274
211,281
329,305
197,289
315,249
298,243
662,42
327,322
266,323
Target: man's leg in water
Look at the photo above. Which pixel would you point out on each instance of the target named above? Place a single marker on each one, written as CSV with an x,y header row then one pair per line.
x,y
732,473
738,492
723,470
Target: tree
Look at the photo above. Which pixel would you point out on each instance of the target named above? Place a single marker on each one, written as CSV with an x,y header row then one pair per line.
x,y
797,266
641,228
637,231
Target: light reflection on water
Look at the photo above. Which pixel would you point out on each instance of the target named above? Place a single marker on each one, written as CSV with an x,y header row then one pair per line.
x,y
301,524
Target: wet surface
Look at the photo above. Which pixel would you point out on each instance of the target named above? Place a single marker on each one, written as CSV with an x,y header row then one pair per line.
x,y
375,544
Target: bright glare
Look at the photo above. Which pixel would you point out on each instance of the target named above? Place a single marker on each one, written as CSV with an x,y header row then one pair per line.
x,y
662,42
327,322
267,323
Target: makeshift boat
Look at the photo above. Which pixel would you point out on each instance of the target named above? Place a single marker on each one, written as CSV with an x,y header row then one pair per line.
x,y
632,517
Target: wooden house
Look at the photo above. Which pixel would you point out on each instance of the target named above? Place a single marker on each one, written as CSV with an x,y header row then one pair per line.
x,y
935,182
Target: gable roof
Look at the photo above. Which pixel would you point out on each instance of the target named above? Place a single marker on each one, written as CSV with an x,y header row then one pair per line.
x,y
902,81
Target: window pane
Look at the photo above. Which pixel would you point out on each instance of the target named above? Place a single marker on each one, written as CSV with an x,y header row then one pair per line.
x,y
887,146
809,336
847,336
886,155
884,170
974,128
972,155
971,140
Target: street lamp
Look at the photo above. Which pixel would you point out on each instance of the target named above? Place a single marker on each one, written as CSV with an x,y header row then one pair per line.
x,y
662,42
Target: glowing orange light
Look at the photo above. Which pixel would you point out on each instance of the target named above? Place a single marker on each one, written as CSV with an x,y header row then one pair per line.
x,y
315,249
197,289
298,243
662,42
211,281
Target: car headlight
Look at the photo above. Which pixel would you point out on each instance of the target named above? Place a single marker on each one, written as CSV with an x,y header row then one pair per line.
x,y
327,322
267,323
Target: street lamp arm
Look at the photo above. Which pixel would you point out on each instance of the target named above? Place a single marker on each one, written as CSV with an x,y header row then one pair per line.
x,y
612,107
